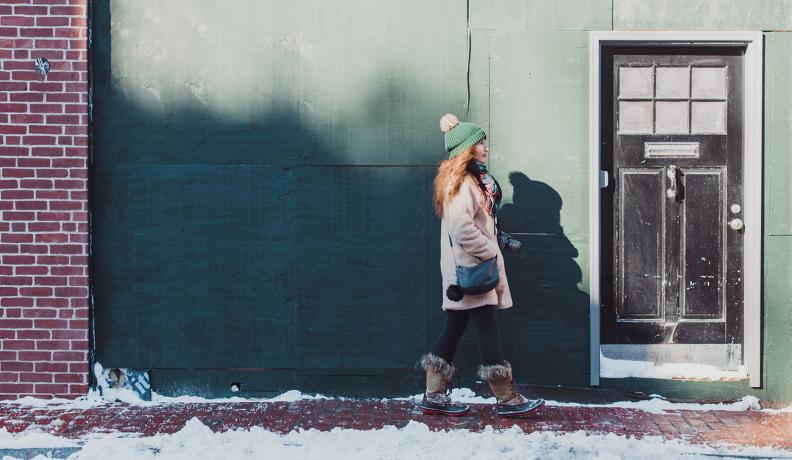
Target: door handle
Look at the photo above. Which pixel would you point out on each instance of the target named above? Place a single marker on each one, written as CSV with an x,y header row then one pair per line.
x,y
672,174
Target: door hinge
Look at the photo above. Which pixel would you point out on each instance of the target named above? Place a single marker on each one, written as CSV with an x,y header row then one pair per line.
x,y
603,179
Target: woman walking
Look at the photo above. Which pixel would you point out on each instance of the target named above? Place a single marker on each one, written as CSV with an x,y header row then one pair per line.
x,y
466,198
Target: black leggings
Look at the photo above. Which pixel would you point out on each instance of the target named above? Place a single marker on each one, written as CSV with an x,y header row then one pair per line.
x,y
486,325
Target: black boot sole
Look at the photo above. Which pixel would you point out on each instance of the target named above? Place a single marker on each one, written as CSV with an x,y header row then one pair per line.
x,y
524,413
427,411
437,410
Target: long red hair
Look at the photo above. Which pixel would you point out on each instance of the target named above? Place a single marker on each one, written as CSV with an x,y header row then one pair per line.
x,y
450,174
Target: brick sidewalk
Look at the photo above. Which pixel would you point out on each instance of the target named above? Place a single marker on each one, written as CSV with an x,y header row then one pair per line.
x,y
751,427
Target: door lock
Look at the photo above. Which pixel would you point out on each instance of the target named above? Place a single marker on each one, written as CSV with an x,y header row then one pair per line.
x,y
672,174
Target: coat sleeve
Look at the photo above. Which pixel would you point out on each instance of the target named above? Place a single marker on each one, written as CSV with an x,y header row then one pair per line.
x,y
462,229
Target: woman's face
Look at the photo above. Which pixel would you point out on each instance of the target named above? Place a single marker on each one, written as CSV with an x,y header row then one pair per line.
x,y
480,151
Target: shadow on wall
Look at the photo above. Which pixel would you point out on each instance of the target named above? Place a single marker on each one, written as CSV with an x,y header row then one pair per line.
x,y
299,253
545,334
265,246
253,245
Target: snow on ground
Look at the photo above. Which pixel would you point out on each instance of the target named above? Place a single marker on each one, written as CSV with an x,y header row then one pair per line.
x,y
32,439
196,441
94,399
620,368
656,404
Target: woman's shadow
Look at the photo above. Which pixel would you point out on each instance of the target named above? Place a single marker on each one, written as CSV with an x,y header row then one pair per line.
x,y
546,334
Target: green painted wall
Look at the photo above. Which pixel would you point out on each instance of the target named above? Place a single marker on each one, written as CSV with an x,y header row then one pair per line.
x,y
531,89
778,217
262,172
261,185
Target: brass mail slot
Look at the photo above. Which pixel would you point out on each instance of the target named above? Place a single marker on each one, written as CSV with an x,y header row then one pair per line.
x,y
671,149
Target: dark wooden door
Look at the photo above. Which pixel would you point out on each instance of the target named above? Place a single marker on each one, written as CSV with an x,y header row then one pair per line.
x,y
672,238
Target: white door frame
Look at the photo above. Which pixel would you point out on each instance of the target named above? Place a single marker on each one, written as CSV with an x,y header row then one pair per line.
x,y
752,170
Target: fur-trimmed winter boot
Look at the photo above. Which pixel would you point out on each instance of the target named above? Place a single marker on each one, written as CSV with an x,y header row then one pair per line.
x,y
510,403
436,399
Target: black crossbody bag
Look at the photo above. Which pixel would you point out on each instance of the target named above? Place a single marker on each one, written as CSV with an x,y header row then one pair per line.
x,y
478,279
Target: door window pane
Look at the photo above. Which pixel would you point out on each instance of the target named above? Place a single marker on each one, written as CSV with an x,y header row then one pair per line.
x,y
672,100
636,82
708,117
635,117
709,83
673,82
672,117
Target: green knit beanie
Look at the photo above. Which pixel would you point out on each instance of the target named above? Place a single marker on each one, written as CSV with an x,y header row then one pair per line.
x,y
462,136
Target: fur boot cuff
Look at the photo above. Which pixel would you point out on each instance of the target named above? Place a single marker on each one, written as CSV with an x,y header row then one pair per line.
x,y
499,372
432,362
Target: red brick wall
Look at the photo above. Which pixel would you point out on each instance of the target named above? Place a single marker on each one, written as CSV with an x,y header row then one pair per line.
x,y
43,199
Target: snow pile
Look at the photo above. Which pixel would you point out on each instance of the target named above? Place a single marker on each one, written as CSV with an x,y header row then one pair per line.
x,y
31,439
620,368
460,395
289,396
658,405
196,441
112,395
655,405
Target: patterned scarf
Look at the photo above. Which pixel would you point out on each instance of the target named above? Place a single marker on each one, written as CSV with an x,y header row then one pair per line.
x,y
490,187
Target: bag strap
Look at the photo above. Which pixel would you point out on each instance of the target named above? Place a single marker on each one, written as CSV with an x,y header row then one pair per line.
x,y
452,249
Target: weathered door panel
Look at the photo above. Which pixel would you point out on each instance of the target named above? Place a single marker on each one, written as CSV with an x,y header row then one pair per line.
x,y
641,221
703,233
673,144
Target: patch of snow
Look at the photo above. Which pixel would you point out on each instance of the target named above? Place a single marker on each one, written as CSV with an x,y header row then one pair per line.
x,y
111,395
460,395
620,368
289,396
415,440
783,410
31,439
655,405
658,405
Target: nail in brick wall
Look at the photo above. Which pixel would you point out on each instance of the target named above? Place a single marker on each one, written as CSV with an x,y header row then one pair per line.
x,y
43,199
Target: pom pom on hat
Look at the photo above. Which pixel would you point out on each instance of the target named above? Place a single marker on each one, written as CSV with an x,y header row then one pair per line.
x,y
448,121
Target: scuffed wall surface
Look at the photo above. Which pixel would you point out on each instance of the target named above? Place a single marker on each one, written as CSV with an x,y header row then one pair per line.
x,y
536,106
778,217
267,169
702,15
538,16
263,175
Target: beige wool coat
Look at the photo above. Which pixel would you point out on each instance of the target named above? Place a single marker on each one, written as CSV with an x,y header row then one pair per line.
x,y
472,231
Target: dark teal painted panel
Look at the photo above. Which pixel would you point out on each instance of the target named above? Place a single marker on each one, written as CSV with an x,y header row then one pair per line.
x,y
264,383
192,265
216,383
369,276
